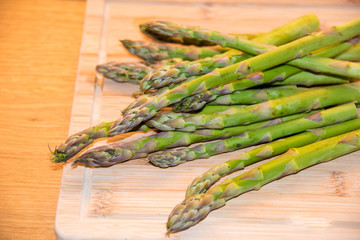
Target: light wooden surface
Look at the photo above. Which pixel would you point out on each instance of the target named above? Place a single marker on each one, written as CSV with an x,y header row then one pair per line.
x,y
39,49
132,200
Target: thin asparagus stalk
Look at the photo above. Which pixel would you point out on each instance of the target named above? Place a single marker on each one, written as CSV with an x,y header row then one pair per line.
x,y
160,28
204,181
292,30
195,208
309,79
329,66
189,41
126,72
264,135
352,54
299,102
78,141
154,52
277,74
252,96
180,71
132,72
118,152
148,30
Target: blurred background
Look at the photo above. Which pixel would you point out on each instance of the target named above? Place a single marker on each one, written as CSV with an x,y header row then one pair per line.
x,y
39,47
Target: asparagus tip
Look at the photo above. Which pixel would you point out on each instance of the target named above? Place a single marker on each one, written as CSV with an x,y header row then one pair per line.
x,y
58,157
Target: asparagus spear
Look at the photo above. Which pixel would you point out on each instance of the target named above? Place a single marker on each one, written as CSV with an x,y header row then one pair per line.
x,y
309,79
203,182
284,53
267,134
277,74
285,33
132,72
352,54
147,29
195,208
299,102
78,141
180,71
252,96
126,72
330,66
153,52
160,28
118,152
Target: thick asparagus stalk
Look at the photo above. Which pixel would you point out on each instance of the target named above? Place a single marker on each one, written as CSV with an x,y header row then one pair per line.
x,y
264,135
153,52
284,53
277,74
299,102
203,182
292,30
195,208
252,96
159,28
118,152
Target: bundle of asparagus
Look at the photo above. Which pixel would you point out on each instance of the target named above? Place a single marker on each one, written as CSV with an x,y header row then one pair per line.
x,y
293,90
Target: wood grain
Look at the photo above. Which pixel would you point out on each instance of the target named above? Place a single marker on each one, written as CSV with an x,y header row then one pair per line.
x,y
132,200
39,48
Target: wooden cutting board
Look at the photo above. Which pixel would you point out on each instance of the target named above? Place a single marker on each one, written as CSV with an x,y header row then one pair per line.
x,y
132,200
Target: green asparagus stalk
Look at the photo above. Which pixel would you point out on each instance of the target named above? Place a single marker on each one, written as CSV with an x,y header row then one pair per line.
x,y
151,31
126,72
252,96
329,66
352,54
299,102
154,52
203,182
195,208
277,74
145,28
118,152
160,28
264,135
166,116
78,141
309,79
132,72
180,71
290,31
